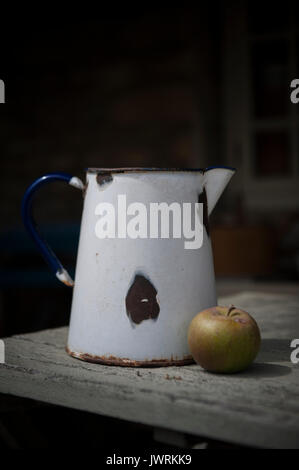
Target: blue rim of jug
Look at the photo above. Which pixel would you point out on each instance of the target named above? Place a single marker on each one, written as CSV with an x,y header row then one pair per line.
x,y
140,169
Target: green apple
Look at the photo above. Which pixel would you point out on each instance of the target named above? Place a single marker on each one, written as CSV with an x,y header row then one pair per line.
x,y
224,339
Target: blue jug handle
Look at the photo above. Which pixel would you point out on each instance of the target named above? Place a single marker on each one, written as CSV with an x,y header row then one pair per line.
x,y
31,226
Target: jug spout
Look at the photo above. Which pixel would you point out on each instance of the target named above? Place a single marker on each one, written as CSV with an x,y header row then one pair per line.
x,y
215,181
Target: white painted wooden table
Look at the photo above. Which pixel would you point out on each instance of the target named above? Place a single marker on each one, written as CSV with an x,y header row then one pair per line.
x,y
259,407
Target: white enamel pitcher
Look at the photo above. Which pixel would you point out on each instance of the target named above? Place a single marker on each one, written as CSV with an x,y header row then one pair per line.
x,y
138,285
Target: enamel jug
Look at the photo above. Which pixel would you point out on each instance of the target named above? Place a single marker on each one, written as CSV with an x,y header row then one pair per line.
x,y
144,264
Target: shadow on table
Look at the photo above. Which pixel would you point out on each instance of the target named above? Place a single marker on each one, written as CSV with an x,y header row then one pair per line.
x,y
272,350
275,350
264,370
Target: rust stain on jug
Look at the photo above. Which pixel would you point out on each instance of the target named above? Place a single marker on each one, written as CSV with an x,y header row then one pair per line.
x,y
125,362
104,178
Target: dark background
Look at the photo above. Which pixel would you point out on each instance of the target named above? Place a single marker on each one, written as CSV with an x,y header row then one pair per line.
x,y
148,86
142,86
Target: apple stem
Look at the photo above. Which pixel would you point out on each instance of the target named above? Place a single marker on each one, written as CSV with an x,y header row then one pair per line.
x,y
230,309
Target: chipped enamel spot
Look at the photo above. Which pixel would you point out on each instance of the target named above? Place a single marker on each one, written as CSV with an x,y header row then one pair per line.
x,y
64,277
104,180
141,300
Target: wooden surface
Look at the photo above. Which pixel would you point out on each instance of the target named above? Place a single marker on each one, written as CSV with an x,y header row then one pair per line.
x,y
258,407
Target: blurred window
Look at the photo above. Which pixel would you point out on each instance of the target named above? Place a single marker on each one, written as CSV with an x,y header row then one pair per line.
x,y
262,58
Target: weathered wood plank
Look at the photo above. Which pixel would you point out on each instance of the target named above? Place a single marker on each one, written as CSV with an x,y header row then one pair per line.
x,y
257,407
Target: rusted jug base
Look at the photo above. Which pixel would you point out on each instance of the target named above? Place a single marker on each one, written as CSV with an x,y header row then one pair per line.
x,y
115,361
